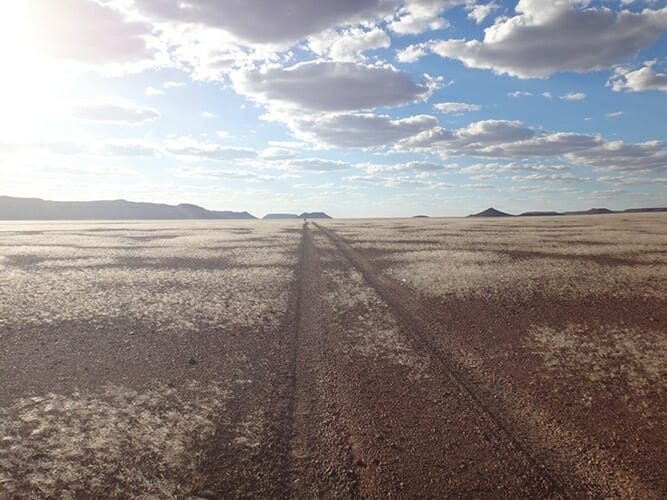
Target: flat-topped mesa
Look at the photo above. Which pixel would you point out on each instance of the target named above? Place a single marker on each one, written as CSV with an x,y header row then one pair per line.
x,y
281,216
314,215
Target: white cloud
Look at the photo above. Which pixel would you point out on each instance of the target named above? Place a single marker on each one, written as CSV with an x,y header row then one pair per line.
x,y
547,37
614,114
152,92
546,144
348,45
574,96
412,53
512,140
471,139
547,95
189,148
564,177
456,107
84,31
619,156
113,110
331,86
645,78
520,93
496,168
214,174
171,84
208,115
317,165
417,16
262,22
626,181
363,130
479,12
419,167
277,153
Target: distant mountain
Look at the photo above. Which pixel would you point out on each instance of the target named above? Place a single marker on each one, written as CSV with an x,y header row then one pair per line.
x,y
638,210
281,216
420,216
538,214
591,211
36,209
314,215
491,212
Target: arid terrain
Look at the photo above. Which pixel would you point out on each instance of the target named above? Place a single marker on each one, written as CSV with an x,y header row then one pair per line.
x,y
514,357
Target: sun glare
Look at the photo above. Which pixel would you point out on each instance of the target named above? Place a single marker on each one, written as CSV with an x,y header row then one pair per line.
x,y
28,87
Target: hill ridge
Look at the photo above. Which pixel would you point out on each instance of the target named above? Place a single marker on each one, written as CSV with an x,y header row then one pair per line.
x,y
15,208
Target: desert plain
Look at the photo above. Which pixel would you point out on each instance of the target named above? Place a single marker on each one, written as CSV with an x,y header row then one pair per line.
x,y
338,358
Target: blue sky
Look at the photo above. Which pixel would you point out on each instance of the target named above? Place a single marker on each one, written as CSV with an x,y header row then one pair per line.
x,y
355,107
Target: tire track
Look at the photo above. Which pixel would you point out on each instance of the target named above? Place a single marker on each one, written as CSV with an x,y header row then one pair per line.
x,y
318,458
415,321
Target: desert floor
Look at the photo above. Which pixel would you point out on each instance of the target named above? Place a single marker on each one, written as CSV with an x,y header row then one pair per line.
x,y
338,358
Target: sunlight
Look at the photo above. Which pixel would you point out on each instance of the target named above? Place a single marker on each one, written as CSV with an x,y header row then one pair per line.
x,y
29,86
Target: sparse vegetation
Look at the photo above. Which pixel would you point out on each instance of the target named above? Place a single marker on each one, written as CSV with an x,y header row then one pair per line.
x,y
162,358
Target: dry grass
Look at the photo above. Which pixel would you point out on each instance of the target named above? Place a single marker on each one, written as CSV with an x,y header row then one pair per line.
x,y
138,442
169,279
207,276
604,355
358,310
613,255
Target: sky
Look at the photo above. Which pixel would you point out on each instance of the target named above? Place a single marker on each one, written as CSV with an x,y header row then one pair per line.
x,y
360,108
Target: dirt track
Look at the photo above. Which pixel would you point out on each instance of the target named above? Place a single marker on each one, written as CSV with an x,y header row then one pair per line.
x,y
360,388
386,434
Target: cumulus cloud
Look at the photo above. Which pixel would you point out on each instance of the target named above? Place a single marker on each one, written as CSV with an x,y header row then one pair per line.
x,y
456,107
417,16
546,144
474,138
264,21
116,111
479,12
639,80
349,44
412,53
362,130
545,37
513,140
84,31
331,86
620,156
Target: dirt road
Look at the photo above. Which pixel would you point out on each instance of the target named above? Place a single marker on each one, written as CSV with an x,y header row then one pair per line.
x,y
365,425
